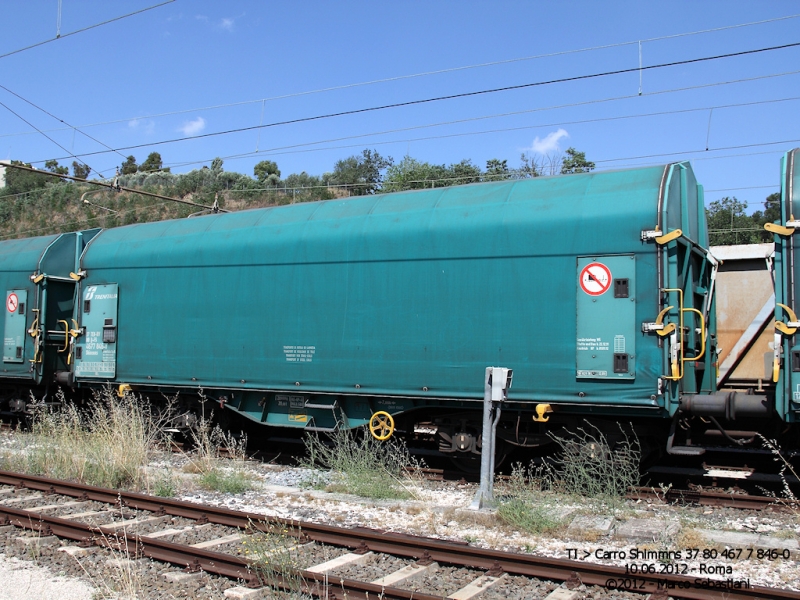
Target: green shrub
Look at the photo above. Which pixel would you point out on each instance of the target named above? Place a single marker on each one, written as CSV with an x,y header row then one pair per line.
x,y
228,482
362,465
593,467
106,445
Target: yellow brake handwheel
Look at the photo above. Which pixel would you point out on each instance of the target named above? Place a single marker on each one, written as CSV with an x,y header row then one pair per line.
x,y
381,425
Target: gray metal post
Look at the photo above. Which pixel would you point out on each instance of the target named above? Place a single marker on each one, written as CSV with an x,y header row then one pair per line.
x,y
497,380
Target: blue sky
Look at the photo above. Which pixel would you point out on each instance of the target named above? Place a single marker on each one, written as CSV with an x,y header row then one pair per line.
x,y
192,68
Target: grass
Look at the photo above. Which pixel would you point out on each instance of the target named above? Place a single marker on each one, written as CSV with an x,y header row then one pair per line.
x,y
277,558
106,444
786,468
589,466
533,518
593,467
526,505
164,486
362,465
210,443
229,482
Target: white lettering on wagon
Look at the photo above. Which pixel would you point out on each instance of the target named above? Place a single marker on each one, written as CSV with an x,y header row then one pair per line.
x,y
593,344
303,354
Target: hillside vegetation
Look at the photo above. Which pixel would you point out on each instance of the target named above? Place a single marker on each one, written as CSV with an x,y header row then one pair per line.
x,y
32,204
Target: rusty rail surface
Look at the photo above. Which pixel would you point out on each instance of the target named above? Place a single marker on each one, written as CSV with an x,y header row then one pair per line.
x,y
402,545
709,498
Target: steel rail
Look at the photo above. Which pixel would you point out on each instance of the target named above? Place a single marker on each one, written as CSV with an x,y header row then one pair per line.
x,y
709,498
410,546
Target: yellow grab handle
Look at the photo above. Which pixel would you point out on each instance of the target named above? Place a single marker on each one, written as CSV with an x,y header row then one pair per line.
x,y
702,335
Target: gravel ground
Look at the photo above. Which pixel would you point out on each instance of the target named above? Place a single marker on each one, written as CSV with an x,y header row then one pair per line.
x,y
438,510
25,580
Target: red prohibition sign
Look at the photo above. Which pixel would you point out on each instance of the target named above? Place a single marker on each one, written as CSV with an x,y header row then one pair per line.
x,y
595,279
12,303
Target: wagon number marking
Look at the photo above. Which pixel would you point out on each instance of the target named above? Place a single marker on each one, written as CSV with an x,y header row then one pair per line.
x,y
595,279
12,303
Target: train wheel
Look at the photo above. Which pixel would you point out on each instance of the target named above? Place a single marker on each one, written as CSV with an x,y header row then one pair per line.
x,y
381,425
471,463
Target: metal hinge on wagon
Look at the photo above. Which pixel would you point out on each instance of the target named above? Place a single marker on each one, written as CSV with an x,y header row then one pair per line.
x,y
787,230
659,236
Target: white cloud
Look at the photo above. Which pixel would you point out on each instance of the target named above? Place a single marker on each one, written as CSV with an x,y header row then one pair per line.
x,y
227,24
146,126
193,127
549,144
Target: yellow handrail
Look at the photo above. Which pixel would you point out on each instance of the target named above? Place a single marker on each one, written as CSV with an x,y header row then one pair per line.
x,y
702,335
66,335
677,369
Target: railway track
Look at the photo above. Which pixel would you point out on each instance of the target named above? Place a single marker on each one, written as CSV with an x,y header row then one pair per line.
x,y
712,498
732,499
417,555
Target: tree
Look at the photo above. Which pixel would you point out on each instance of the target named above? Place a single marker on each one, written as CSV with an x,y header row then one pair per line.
x,y
575,162
267,172
129,167
729,223
19,181
152,164
496,170
529,166
772,208
54,167
412,174
80,171
362,174
771,214
462,173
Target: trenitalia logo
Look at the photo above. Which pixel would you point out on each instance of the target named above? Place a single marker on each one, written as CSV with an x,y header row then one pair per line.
x,y
90,294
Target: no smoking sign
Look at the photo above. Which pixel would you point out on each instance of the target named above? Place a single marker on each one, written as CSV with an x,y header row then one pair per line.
x,y
595,279
12,303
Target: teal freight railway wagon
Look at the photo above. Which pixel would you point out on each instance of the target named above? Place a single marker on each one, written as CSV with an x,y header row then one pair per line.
x,y
593,288
597,289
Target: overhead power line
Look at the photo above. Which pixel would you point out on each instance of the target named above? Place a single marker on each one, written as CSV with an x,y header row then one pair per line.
x,y
293,149
114,187
49,114
77,31
277,150
455,96
21,118
439,72
288,149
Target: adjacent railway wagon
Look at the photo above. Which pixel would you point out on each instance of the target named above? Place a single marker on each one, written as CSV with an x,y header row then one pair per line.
x,y
597,289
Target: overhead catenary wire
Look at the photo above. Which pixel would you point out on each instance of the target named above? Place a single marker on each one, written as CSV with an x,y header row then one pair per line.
x,y
438,72
279,152
61,36
276,151
60,120
114,187
535,126
451,97
21,118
